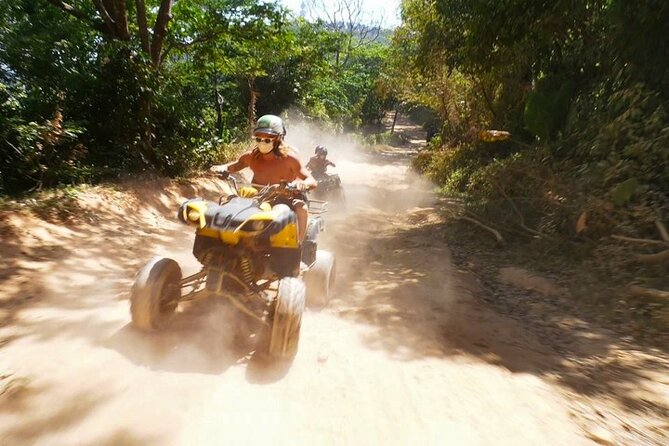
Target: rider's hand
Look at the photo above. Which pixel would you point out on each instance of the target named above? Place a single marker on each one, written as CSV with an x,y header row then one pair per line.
x,y
300,185
220,172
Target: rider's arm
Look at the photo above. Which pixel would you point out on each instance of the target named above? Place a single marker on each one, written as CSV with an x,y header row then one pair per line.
x,y
304,175
330,163
240,164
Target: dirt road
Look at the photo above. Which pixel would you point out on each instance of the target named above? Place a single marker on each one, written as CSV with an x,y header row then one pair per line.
x,y
403,355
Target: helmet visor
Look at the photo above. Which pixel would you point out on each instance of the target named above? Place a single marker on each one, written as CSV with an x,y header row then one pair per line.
x,y
265,132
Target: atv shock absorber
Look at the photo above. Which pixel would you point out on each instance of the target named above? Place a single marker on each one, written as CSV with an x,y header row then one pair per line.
x,y
247,269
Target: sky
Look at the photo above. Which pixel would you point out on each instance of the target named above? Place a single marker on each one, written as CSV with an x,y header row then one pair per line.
x,y
389,9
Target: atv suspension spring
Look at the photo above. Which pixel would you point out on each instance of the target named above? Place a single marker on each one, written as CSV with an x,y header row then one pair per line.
x,y
247,269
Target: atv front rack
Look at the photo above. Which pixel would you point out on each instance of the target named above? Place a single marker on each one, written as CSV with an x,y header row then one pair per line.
x,y
318,207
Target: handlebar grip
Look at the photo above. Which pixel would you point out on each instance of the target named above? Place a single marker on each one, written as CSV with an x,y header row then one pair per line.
x,y
223,175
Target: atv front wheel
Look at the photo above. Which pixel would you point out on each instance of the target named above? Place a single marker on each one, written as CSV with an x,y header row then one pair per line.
x,y
320,280
284,333
155,294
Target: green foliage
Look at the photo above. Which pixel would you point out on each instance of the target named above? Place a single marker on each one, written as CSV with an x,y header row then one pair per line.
x,y
582,88
78,103
347,94
546,108
45,154
385,138
622,192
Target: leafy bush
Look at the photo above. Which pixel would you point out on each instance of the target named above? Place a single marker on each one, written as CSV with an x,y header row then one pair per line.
x,y
43,155
580,89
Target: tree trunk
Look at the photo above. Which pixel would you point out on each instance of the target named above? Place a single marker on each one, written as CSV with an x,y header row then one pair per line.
x,y
114,25
143,27
218,105
253,99
392,129
146,135
160,30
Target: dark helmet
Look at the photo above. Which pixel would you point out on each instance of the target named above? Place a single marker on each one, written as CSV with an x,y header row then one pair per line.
x,y
320,150
270,125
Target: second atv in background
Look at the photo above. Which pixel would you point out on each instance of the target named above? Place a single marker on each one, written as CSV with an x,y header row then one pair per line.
x,y
329,185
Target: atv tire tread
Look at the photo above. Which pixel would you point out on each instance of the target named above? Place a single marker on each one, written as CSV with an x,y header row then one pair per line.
x,y
284,334
155,294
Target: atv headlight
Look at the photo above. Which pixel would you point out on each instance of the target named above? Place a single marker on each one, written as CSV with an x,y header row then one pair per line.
x,y
193,212
255,225
193,215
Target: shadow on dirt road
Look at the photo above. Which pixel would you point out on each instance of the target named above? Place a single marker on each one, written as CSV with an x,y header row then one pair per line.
x,y
405,354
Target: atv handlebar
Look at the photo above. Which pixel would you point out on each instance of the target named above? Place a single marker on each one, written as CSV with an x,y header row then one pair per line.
x,y
284,189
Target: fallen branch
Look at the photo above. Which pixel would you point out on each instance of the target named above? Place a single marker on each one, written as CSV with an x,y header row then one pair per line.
x,y
653,258
663,230
495,232
638,240
521,217
647,292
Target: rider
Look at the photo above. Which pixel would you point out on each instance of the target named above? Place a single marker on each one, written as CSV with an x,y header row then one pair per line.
x,y
319,163
272,162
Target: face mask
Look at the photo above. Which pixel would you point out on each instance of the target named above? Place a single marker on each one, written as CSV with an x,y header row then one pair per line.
x,y
265,147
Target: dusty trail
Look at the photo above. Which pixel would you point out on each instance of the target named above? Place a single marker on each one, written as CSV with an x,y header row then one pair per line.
x,y
401,356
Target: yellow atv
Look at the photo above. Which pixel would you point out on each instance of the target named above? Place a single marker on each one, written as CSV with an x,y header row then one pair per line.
x,y
250,253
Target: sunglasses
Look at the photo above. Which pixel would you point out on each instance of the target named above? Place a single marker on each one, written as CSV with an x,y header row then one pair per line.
x,y
265,140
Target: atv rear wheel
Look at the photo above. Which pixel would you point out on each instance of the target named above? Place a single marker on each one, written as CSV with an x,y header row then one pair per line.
x,y
155,294
320,280
284,332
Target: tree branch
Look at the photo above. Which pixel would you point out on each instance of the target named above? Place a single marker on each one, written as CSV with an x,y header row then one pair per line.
x,y
663,230
638,240
74,12
486,97
160,30
207,37
496,233
106,17
346,17
142,26
648,292
520,215
122,19
653,258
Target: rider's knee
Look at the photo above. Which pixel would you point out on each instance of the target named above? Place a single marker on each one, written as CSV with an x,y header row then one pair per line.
x,y
299,205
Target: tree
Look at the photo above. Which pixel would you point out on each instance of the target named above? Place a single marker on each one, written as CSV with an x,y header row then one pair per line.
x,y
111,18
91,89
347,18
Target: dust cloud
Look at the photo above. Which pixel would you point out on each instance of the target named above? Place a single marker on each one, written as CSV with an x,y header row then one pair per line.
x,y
389,361
377,176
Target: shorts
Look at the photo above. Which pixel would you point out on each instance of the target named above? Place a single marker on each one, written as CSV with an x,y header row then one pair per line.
x,y
293,203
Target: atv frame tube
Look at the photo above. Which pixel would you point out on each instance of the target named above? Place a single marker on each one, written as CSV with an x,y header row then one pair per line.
x,y
196,283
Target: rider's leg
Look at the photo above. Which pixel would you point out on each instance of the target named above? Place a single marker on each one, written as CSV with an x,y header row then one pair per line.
x,y
302,214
